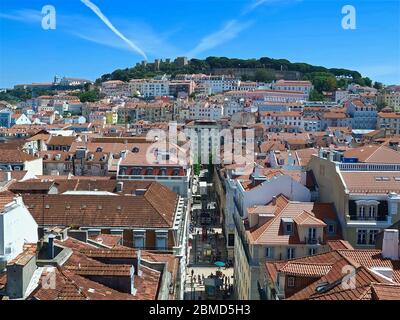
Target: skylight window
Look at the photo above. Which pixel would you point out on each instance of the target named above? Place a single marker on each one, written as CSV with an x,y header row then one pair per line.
x,y
382,178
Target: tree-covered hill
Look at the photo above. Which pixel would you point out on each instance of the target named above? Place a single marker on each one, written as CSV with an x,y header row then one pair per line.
x,y
325,79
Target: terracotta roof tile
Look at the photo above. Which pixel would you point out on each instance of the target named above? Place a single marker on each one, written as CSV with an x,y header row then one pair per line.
x,y
155,209
374,154
372,182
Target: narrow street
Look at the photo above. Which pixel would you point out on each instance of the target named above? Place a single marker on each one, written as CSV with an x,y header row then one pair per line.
x,y
209,274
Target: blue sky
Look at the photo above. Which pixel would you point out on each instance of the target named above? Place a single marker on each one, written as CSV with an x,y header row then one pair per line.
x,y
82,45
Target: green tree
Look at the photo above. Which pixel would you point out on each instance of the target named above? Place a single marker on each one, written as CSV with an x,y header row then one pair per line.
x,y
316,96
90,96
322,81
86,86
378,85
368,82
264,75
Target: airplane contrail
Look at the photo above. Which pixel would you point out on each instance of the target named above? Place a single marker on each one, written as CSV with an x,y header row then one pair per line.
x,y
107,22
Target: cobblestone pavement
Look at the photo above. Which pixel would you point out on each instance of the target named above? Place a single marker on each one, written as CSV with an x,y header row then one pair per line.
x,y
195,290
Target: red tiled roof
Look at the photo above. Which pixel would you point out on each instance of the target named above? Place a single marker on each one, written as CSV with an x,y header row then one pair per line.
x,y
328,268
156,209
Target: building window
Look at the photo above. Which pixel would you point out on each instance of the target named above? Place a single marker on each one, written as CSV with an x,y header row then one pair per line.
x,y
372,212
268,252
331,228
288,228
139,239
312,234
362,236
290,253
312,251
361,211
231,240
291,282
161,240
372,236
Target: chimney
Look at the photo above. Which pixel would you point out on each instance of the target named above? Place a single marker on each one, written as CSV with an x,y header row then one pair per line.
x,y
274,200
390,247
8,175
253,219
120,186
50,247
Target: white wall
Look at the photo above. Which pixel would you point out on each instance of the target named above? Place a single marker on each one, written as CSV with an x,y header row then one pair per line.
x,y
17,227
263,193
34,166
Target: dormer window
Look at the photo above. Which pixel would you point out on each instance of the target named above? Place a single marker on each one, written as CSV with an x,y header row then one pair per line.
x,y
372,212
361,211
367,209
331,228
291,282
288,226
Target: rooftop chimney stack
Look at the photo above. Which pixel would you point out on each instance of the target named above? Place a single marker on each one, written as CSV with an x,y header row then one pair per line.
x,y
274,200
390,247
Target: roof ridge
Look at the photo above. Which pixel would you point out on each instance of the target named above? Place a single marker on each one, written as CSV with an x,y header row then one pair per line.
x,y
276,215
313,263
379,147
72,282
152,205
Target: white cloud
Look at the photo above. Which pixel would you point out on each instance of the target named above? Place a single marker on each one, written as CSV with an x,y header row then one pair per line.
x,y
228,32
258,3
25,15
107,22
93,30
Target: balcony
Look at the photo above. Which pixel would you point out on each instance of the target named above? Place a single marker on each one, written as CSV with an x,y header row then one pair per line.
x,y
378,222
368,167
313,240
378,218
